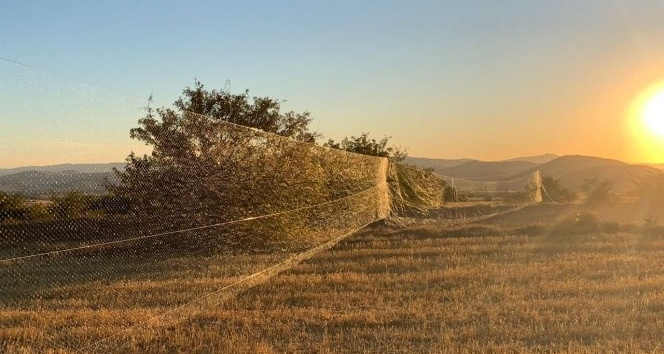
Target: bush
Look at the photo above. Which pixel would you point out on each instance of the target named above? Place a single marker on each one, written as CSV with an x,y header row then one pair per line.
x,y
651,228
38,211
556,192
12,207
582,223
71,205
111,204
598,191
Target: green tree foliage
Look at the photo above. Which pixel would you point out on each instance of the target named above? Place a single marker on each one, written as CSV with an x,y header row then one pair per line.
x,y
110,204
196,164
39,211
598,190
556,191
70,205
203,170
365,145
16,208
12,207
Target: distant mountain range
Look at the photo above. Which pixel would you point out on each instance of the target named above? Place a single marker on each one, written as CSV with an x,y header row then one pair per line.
x,y
539,159
571,170
481,170
436,164
488,170
81,168
441,165
41,181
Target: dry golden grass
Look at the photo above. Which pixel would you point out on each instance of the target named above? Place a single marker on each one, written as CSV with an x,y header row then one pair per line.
x,y
481,288
66,316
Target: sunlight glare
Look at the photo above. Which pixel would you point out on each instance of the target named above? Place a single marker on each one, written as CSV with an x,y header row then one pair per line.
x,y
653,113
645,120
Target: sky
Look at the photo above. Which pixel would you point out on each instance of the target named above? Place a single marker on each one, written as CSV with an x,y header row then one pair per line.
x,y
445,79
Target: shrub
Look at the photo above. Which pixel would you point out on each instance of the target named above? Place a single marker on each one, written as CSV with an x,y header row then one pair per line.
x,y
581,223
70,205
12,207
598,191
557,192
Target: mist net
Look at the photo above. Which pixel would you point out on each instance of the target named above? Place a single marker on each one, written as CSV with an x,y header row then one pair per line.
x,y
96,253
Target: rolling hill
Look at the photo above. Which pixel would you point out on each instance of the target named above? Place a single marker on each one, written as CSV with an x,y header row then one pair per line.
x,y
82,168
488,171
436,164
480,170
539,159
572,170
86,178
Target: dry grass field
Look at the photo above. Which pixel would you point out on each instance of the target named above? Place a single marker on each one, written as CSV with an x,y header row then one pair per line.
x,y
65,316
513,283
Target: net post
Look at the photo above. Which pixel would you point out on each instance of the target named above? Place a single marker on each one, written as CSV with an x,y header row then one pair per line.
x,y
538,187
383,191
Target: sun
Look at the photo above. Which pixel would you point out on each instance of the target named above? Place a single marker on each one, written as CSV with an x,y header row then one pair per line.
x,y
644,120
653,113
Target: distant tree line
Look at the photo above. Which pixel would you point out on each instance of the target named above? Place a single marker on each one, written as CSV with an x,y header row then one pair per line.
x,y
16,207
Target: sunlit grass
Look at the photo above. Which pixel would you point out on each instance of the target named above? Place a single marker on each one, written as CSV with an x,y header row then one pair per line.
x,y
425,288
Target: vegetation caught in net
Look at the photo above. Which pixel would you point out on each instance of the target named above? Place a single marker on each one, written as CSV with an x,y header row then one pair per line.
x,y
231,185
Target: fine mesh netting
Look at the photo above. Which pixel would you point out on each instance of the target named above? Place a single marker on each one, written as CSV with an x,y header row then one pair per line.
x,y
469,201
93,257
523,189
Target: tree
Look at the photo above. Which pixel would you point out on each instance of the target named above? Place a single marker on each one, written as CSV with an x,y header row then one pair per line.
x,y
368,146
556,191
70,205
110,204
205,170
598,190
12,207
195,128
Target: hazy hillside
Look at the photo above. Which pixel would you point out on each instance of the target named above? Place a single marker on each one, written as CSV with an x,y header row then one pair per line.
x,y
437,164
539,159
572,170
492,170
480,170
41,183
571,163
82,168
